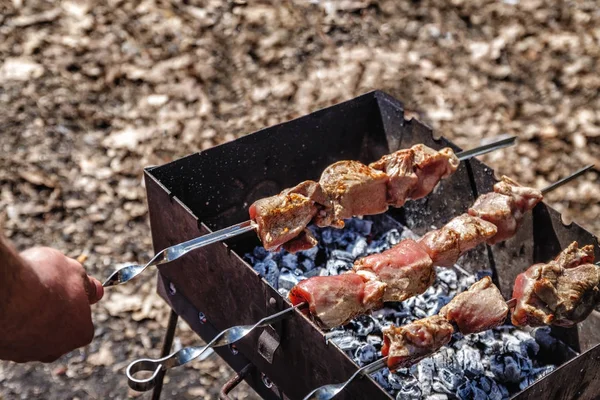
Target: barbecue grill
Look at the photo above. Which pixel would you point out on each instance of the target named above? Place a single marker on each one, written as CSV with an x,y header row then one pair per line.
x,y
213,288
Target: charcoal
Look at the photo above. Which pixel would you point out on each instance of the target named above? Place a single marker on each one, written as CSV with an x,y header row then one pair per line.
x,y
437,396
361,226
448,277
336,267
426,370
469,360
365,354
449,379
342,256
358,248
269,271
375,340
289,261
408,388
312,272
311,253
288,279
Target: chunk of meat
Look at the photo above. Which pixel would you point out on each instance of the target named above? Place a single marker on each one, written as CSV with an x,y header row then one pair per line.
x,y
406,269
283,217
562,292
304,241
406,345
354,189
501,211
461,234
506,207
525,197
480,308
430,167
399,167
335,300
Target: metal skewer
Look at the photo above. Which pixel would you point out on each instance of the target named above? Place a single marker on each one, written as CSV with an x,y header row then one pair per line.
x,y
187,354
330,391
169,254
566,179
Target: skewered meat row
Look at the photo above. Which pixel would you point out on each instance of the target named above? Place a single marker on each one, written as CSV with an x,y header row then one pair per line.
x,y
562,292
407,269
479,308
347,189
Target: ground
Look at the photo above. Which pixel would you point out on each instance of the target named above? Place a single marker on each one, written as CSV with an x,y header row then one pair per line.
x,y
93,92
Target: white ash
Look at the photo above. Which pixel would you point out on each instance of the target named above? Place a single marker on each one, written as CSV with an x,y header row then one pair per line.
x,y
494,364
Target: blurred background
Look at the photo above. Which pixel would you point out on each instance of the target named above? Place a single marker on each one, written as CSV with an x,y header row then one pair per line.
x,y
92,92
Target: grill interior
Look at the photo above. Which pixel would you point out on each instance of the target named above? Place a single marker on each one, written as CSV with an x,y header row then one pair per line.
x,y
213,189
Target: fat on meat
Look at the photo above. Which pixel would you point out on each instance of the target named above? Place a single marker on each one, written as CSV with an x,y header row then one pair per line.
x,y
399,167
335,300
354,190
461,234
406,345
430,167
406,269
477,309
562,292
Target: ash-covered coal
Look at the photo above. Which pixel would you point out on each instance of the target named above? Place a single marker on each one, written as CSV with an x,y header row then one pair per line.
x,y
494,364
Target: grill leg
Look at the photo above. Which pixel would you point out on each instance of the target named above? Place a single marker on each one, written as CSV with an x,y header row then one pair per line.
x,y
165,351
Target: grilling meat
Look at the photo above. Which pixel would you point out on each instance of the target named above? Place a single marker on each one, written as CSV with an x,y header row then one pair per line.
x,y
406,269
335,300
354,189
480,308
461,234
431,166
283,217
562,292
406,345
399,167
506,207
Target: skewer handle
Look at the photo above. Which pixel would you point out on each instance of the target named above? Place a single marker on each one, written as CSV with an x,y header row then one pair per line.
x,y
187,354
127,273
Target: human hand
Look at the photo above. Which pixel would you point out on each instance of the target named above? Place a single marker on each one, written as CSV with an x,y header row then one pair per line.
x,y
50,308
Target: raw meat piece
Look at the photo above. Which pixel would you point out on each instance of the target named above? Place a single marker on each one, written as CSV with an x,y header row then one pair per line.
x,y
406,269
480,308
406,345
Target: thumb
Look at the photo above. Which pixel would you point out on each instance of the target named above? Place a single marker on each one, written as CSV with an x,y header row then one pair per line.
x,y
94,289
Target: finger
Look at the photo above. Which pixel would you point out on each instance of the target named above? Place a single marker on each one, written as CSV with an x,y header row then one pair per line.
x,y
96,290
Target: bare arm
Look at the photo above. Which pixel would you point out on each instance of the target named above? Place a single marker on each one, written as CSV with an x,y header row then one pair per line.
x,y
45,302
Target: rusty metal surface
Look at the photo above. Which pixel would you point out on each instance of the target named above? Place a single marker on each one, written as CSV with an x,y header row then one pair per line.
x,y
218,185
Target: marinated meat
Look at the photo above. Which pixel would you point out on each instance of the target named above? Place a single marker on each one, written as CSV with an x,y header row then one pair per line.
x,y
408,344
304,241
283,217
447,244
430,167
500,210
506,207
406,269
401,173
480,308
335,300
525,197
354,189
562,292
